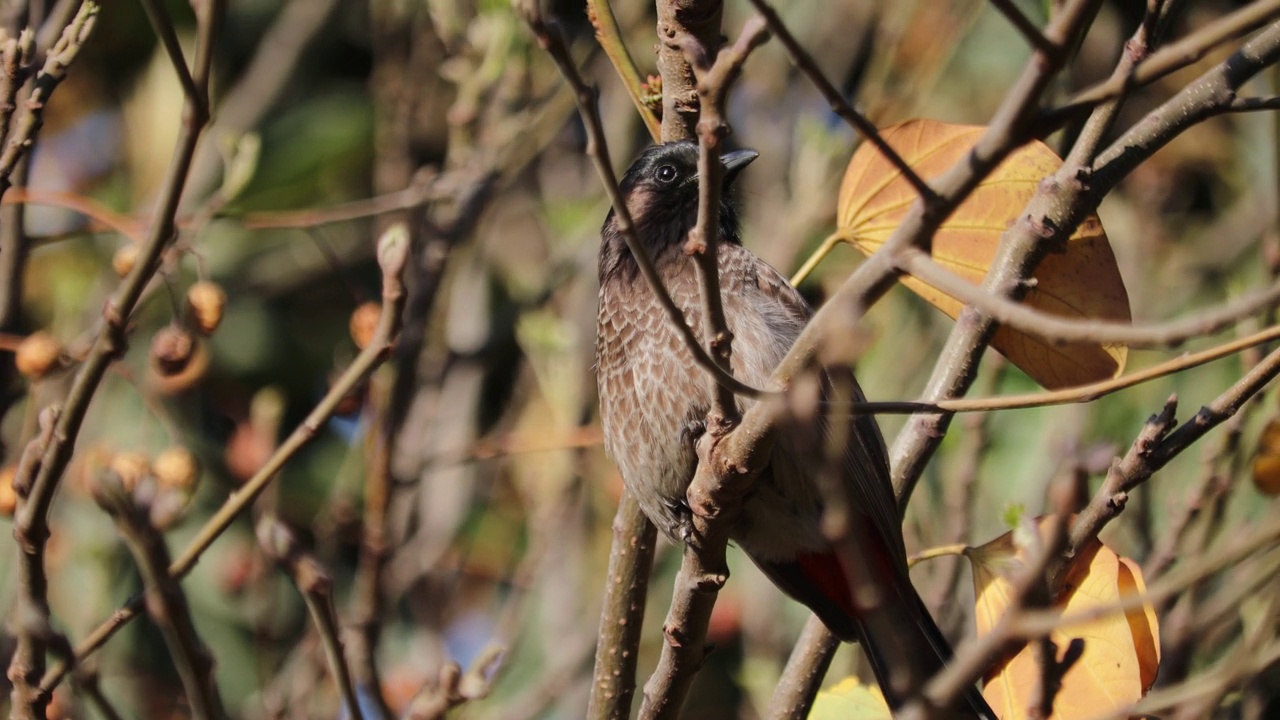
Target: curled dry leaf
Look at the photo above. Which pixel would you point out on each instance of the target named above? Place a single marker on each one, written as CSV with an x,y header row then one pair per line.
x,y
1079,281
171,350
1121,650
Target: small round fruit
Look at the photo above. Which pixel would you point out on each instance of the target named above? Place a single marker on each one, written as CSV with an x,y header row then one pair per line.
x,y
171,350
8,496
131,467
176,468
37,354
124,259
364,323
206,301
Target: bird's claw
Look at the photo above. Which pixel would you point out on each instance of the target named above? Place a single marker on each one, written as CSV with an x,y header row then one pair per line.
x,y
692,431
682,523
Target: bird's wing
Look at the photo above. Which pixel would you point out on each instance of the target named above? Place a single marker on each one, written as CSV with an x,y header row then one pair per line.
x,y
866,460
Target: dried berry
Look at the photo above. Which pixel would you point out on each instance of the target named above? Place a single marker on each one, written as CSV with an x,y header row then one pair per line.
x,y
364,323
131,467
124,259
8,496
205,301
176,468
171,350
37,354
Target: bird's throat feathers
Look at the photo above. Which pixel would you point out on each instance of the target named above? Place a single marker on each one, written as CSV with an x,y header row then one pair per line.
x,y
663,228
660,190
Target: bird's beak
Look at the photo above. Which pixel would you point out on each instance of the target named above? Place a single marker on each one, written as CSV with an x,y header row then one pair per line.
x,y
735,161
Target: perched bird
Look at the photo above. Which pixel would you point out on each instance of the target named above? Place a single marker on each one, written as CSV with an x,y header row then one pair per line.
x,y
654,398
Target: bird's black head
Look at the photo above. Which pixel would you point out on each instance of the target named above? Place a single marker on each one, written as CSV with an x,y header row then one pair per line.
x,y
661,192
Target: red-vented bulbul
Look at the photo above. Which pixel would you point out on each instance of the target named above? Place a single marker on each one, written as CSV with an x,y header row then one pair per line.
x,y
653,399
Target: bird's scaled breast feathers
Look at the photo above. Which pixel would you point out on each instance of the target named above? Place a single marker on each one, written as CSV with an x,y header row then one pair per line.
x,y
652,391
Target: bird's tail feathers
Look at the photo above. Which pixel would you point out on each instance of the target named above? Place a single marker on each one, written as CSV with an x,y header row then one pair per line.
x,y
902,643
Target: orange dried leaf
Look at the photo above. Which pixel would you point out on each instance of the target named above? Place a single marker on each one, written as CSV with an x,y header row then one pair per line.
x,y
1082,282
1121,650
1266,462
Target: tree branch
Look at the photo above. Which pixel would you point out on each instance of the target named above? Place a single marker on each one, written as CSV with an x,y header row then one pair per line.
x,y
393,254
622,617
165,601
703,568
678,20
315,584
804,62
600,12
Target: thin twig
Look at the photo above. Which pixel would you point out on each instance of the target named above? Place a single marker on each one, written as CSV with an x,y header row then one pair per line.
x,y
163,25
714,81
166,603
392,256
1058,329
40,478
804,62
368,596
600,12
54,71
703,569
315,584
1169,59
1025,27
802,677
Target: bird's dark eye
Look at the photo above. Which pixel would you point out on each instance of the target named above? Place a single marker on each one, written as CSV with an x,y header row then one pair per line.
x,y
666,173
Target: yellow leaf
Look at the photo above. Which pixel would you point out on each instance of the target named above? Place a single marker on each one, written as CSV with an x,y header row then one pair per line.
x,y
1082,282
850,700
1121,650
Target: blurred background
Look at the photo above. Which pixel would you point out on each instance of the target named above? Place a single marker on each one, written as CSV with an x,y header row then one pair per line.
x,y
334,119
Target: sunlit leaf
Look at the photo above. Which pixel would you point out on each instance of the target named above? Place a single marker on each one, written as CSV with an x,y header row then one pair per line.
x,y
850,700
1082,282
1121,650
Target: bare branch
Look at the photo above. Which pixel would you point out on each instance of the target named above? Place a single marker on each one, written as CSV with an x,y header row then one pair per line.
x,y
1169,59
166,603
622,617
802,677
1025,27
677,21
609,35
804,62
703,569
1060,330
393,254
163,25
316,587
713,89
